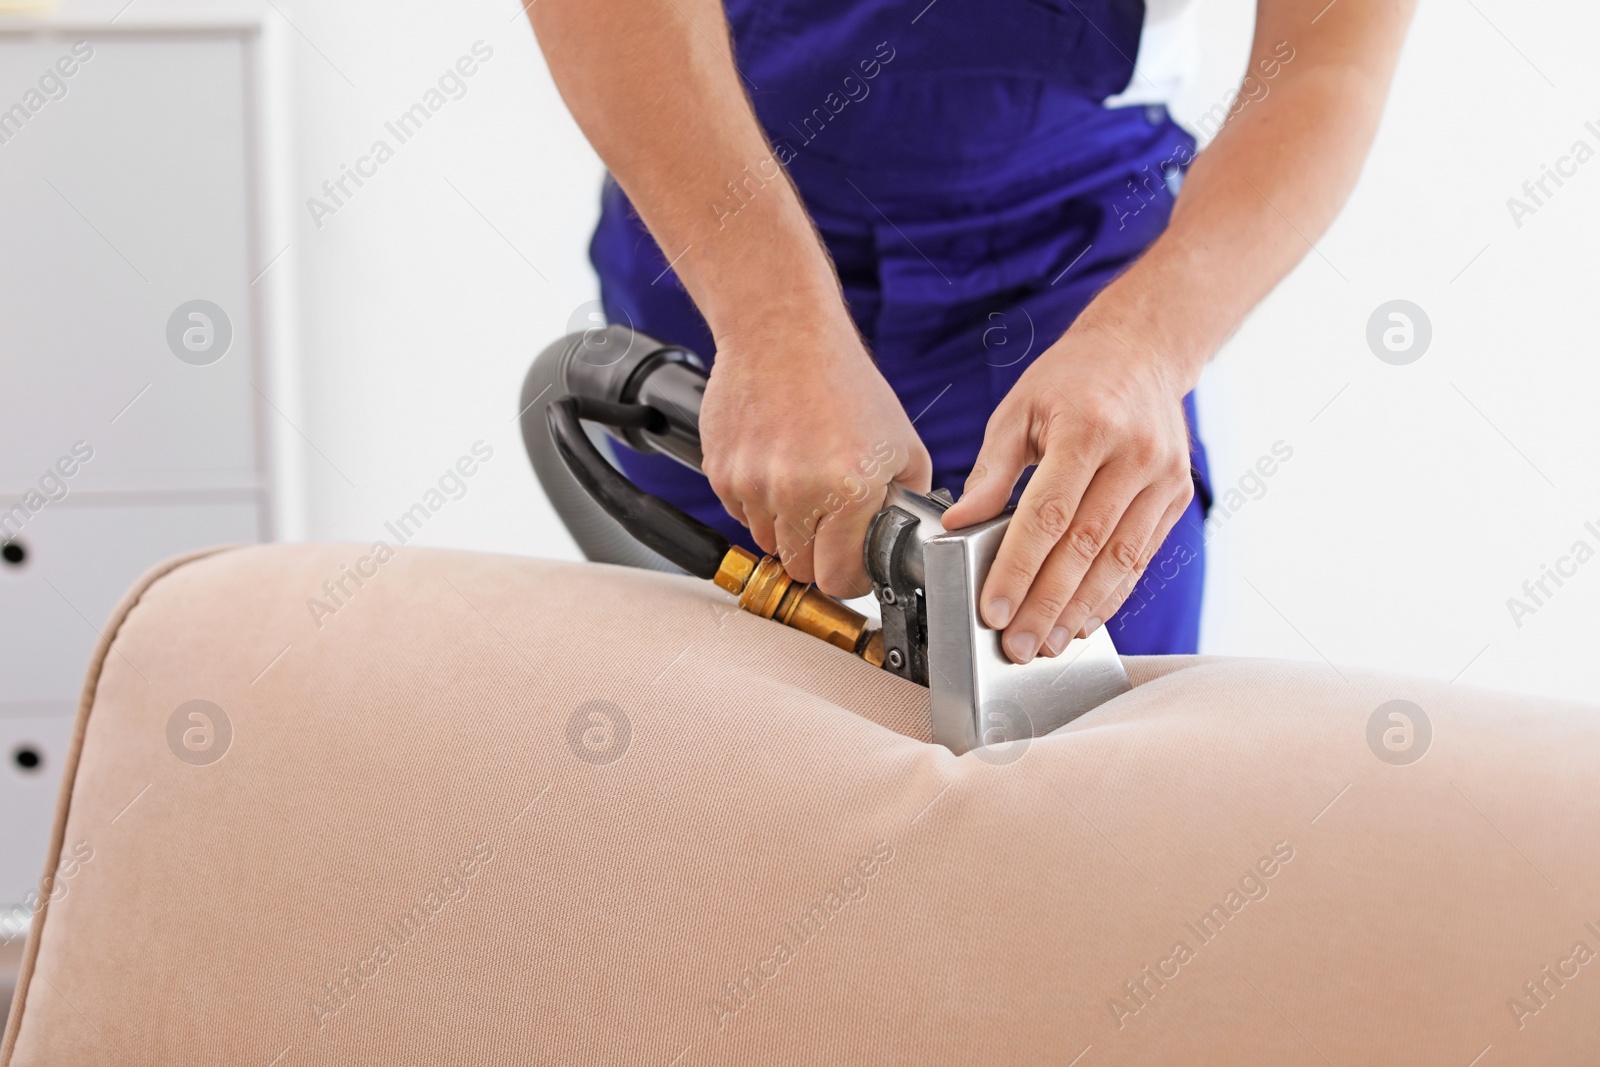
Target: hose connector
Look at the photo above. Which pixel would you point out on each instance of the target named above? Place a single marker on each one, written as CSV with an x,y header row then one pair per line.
x,y
764,588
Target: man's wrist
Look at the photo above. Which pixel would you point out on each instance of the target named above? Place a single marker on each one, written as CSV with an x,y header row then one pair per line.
x,y
762,268
1158,309
768,304
740,313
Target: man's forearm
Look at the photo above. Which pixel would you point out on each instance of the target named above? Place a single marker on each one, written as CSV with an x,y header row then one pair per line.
x,y
654,86
1269,186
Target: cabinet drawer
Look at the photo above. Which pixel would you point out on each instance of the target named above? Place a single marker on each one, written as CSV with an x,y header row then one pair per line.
x,y
77,563
33,749
127,198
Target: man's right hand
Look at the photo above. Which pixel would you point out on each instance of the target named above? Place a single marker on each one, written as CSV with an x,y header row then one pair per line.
x,y
801,437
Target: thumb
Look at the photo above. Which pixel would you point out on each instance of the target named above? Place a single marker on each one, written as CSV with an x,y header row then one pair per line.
x,y
1001,461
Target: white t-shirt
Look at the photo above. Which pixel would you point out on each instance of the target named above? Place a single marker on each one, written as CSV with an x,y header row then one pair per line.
x,y
1168,54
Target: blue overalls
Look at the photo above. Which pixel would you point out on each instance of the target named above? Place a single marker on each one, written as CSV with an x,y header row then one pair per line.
x,y
975,195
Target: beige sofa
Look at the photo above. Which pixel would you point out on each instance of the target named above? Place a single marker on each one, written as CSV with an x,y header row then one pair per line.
x,y
454,808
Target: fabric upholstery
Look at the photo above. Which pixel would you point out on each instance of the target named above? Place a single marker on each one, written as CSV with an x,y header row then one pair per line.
x,y
420,846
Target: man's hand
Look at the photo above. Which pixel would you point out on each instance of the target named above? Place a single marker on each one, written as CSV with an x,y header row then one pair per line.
x,y
1099,412
1103,419
802,437
800,432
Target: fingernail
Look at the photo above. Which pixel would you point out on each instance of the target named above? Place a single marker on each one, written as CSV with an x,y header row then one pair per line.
x,y
1090,625
1021,647
998,613
1057,640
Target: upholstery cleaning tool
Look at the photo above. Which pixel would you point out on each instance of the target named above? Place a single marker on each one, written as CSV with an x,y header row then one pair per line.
x,y
646,395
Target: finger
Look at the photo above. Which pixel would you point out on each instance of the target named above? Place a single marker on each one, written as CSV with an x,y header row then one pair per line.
x,y
1153,548
761,528
1122,555
725,487
841,568
727,490
1043,517
1114,603
1006,452
795,532
1057,577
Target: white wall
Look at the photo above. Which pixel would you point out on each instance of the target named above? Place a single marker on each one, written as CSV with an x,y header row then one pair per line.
x,y
1415,504
1425,495
425,297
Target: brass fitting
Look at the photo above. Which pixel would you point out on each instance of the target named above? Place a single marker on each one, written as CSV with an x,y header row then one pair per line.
x,y
735,570
765,589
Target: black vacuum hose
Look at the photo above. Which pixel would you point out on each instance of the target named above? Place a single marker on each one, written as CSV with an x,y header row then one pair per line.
x,y
678,537
619,366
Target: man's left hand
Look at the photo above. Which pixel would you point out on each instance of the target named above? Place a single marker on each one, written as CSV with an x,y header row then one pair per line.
x,y
1102,417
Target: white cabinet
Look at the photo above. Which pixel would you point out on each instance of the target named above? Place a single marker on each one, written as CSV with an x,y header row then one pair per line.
x,y
134,326
80,561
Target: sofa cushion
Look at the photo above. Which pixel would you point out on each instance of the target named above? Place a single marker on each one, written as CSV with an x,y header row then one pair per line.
x,y
441,807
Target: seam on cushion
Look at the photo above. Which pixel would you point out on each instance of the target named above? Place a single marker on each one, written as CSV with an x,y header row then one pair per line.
x,y
69,774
